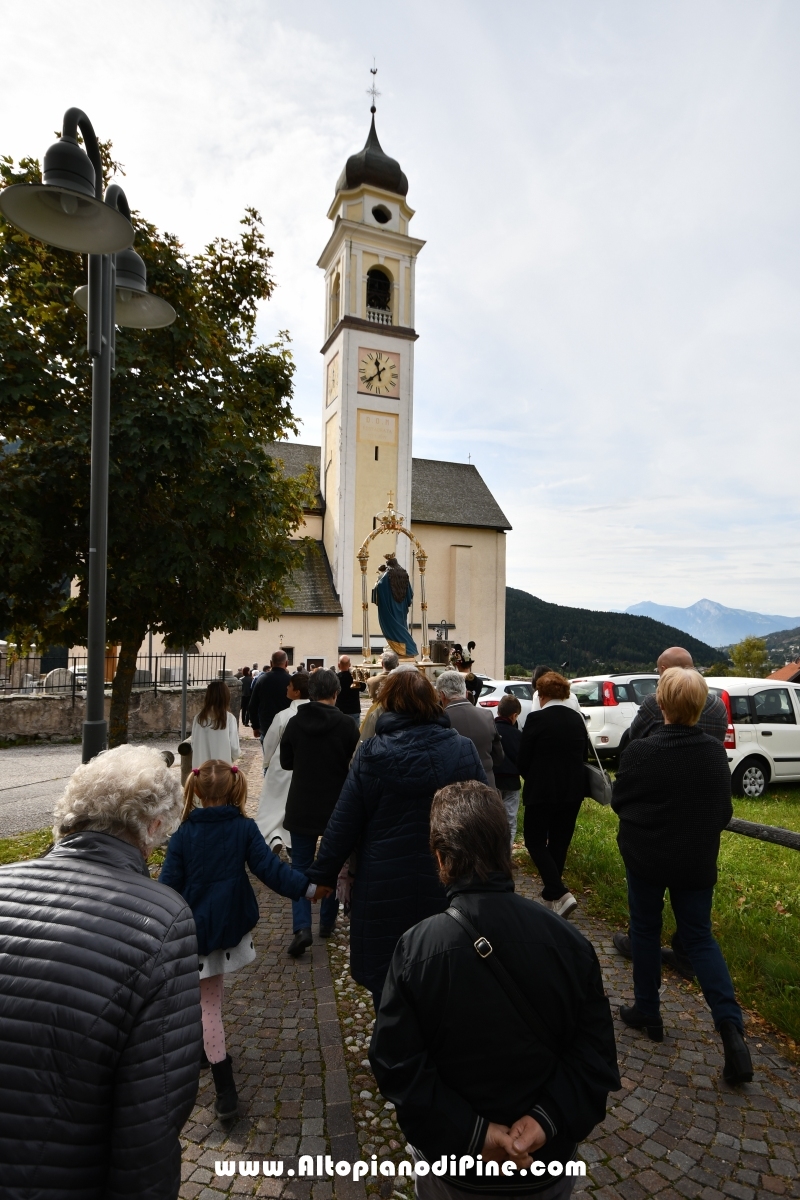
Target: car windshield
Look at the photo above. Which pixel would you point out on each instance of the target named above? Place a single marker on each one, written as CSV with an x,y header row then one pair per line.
x,y
589,693
643,687
487,689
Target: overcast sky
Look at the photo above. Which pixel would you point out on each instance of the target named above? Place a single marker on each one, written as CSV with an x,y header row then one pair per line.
x,y
608,303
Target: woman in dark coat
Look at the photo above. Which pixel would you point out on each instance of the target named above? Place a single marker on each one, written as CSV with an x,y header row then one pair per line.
x,y
551,757
383,814
672,795
100,1035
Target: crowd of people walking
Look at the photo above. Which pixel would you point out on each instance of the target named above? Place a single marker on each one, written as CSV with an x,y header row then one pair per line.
x,y
112,983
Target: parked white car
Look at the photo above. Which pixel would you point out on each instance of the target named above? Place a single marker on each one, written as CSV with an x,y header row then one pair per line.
x,y
763,738
494,689
610,702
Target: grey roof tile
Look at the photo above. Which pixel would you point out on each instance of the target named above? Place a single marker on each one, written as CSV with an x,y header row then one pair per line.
x,y
296,456
448,493
311,587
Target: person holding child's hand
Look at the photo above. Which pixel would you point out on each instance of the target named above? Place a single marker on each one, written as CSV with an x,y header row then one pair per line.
x,y
206,862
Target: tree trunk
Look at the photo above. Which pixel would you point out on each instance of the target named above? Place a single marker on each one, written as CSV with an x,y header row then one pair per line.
x,y
121,691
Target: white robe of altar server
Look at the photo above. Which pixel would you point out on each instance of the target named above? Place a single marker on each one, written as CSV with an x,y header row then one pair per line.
x,y
275,789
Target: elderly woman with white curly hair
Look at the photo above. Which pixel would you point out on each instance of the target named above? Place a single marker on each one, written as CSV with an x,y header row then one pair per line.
x,y
100,1034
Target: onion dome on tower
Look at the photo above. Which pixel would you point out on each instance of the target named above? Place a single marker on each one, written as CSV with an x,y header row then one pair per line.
x,y
372,166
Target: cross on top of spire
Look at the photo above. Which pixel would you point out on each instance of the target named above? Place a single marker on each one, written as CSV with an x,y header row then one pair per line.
x,y
373,91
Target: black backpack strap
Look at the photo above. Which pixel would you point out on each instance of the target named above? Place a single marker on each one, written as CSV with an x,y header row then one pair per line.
x,y
485,951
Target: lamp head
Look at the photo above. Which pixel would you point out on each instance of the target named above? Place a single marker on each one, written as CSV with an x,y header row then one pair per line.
x,y
135,307
66,165
63,210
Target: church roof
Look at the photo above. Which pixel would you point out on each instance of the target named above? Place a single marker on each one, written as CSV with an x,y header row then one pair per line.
x,y
450,493
311,587
442,493
296,457
371,165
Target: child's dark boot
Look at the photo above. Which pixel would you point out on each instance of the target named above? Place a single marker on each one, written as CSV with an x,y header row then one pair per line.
x,y
226,1105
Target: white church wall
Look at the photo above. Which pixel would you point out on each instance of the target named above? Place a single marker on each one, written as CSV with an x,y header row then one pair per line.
x,y
465,585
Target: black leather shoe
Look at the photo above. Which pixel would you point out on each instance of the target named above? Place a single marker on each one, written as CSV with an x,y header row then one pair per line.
x,y
300,942
622,944
325,931
226,1105
677,962
738,1064
669,957
652,1026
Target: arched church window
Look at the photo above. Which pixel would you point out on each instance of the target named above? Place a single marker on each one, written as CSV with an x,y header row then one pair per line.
x,y
379,296
335,297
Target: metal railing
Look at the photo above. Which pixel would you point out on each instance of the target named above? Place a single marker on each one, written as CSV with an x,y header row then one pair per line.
x,y
42,675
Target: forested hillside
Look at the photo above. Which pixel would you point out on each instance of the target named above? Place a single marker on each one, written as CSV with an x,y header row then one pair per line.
x,y
595,641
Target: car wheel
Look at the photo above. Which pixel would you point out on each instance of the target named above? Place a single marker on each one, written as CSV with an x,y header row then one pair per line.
x,y
750,778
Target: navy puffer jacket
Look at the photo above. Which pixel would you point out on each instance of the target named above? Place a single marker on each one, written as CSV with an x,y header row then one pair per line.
x,y
383,813
205,862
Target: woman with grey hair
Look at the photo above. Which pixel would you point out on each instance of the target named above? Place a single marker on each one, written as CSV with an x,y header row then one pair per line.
x,y
100,1034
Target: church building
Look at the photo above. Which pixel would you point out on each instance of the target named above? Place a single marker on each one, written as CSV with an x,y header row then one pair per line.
x,y
365,457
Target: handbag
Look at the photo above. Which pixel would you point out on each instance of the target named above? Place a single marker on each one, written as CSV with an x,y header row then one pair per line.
x,y
485,951
596,781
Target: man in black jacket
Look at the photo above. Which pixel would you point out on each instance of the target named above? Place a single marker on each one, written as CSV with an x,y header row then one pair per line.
x,y
712,720
673,798
316,747
349,699
268,696
500,1052
100,1033
506,776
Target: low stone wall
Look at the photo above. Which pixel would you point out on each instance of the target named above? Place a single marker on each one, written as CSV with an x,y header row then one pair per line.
x,y
50,718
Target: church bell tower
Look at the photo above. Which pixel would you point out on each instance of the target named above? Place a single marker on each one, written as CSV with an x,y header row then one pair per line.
x,y
368,373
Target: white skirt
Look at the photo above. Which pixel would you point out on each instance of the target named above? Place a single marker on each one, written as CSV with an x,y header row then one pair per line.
x,y
224,962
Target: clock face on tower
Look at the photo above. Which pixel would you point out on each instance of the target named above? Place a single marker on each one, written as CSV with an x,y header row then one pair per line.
x,y
332,390
378,372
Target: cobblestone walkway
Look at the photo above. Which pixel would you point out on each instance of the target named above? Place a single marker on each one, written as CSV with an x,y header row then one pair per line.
x,y
675,1130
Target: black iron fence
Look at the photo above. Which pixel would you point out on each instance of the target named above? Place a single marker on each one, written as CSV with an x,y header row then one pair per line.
x,y
36,675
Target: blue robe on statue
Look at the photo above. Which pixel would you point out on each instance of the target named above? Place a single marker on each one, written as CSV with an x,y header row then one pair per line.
x,y
393,616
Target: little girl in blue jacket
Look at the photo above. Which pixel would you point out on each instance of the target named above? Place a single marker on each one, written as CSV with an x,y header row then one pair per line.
x,y
205,862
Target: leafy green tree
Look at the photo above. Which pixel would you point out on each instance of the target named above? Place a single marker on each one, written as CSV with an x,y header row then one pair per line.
x,y
750,658
200,516
718,670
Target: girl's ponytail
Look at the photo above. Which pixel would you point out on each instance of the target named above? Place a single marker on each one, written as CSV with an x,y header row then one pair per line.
x,y
189,793
215,780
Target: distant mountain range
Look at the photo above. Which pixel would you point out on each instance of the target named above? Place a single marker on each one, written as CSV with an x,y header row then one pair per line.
x,y
714,623
539,632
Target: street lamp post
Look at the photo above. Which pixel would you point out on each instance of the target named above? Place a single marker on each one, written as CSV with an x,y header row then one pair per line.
x,y
68,210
